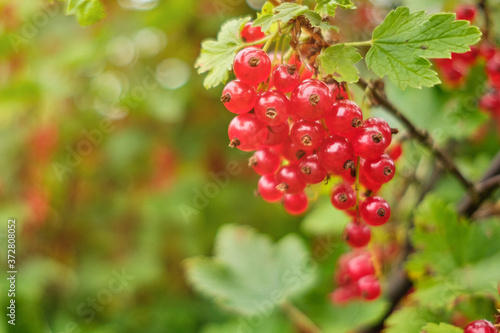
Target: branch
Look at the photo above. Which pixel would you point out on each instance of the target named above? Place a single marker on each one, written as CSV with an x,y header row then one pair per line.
x,y
486,186
422,136
300,320
483,5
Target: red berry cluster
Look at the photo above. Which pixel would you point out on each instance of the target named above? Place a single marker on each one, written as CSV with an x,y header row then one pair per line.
x,y
303,131
455,70
480,326
355,278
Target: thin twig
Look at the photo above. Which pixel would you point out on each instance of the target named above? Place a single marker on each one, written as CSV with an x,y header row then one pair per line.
x,y
299,319
483,5
275,3
423,137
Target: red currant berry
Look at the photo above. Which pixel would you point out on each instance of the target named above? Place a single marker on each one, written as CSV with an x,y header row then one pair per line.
x,y
264,161
292,153
360,266
369,144
307,135
246,132
276,135
336,155
357,234
396,150
368,184
252,66
295,204
285,78
251,34
289,180
466,12
337,89
348,176
311,100
343,197
267,189
487,50
343,295
271,107
238,97
382,126
369,287
480,326
311,171
493,71
380,170
344,119
375,211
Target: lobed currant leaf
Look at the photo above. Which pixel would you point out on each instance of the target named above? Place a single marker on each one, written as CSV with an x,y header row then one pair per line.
x,y
248,269
441,328
87,12
329,7
217,56
403,43
339,60
316,21
284,13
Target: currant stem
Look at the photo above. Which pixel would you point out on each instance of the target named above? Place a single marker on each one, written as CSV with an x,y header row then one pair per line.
x,y
365,43
300,319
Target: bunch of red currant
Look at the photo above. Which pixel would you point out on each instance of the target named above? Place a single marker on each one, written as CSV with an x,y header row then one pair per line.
x,y
305,130
355,277
455,70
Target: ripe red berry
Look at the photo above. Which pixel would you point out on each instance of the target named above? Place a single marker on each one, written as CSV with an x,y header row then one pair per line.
x,y
343,294
285,78
267,189
466,12
238,97
337,89
251,34
264,161
382,126
369,287
368,184
480,326
311,100
487,50
246,132
360,266
343,197
289,180
311,171
292,153
272,107
295,204
277,135
375,211
336,155
357,234
344,119
380,170
307,135
252,66
396,150
369,143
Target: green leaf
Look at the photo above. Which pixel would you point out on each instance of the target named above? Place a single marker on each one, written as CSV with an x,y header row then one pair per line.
x,y
409,319
316,21
338,60
324,220
284,13
249,273
329,7
441,328
403,43
217,56
87,12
